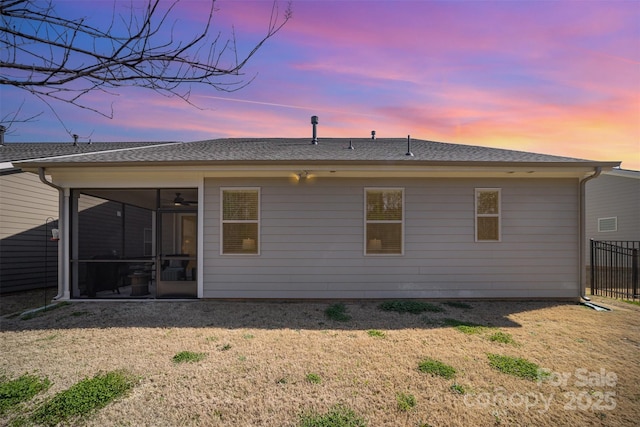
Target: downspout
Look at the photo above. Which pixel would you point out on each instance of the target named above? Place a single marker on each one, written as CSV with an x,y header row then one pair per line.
x,y
581,235
62,228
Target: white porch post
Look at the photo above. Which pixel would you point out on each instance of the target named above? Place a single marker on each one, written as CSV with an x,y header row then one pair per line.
x,y
64,264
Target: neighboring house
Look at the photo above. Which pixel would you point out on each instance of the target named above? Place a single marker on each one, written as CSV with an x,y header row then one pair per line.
x,y
613,206
612,215
613,227
286,218
29,211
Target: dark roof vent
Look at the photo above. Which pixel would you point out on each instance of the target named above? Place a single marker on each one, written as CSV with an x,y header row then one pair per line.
x,y
351,147
373,134
75,139
409,153
314,122
2,131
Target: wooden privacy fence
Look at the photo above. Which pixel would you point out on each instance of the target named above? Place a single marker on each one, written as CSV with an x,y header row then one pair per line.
x,y
614,269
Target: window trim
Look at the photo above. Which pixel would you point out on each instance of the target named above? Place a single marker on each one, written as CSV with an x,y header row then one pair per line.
x,y
223,221
401,222
477,215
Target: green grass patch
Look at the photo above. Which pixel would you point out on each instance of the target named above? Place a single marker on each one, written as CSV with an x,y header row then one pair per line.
x,y
515,366
83,398
225,347
468,328
405,401
337,312
14,392
458,388
188,357
436,367
631,302
409,306
502,337
376,333
458,304
338,416
313,378
80,313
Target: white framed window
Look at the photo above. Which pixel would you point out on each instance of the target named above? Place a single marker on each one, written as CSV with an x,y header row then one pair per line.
x,y
606,225
384,221
488,214
240,221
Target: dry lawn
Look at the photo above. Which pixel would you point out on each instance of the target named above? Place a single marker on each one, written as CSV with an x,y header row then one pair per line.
x,y
259,354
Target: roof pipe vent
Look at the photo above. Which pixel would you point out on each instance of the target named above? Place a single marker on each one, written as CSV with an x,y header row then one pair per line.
x,y
373,134
409,153
351,147
2,131
75,139
314,122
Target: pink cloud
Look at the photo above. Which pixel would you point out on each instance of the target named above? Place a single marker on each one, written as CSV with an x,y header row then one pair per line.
x,y
555,77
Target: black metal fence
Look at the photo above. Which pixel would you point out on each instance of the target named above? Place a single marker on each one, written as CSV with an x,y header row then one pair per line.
x,y
614,269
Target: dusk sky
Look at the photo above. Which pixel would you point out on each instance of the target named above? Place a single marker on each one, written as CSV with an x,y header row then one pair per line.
x,y
550,77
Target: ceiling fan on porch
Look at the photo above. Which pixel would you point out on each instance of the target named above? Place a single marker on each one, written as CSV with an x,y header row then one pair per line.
x,y
180,201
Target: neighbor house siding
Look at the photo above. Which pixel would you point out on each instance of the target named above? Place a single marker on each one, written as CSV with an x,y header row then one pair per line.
x,y
312,242
108,228
610,196
28,258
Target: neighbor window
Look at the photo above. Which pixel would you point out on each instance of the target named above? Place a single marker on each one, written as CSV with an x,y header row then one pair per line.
x,y
240,220
384,216
488,215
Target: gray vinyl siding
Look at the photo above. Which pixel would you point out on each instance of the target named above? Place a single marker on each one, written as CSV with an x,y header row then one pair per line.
x,y
312,242
613,196
28,258
108,228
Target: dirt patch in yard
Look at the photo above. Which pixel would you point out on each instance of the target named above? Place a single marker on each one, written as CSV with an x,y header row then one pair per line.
x,y
260,356
18,302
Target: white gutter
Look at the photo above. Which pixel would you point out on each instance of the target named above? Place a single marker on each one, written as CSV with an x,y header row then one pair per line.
x,y
581,234
63,224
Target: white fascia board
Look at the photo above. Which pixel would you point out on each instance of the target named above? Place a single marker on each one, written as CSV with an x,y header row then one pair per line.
x,y
6,166
152,175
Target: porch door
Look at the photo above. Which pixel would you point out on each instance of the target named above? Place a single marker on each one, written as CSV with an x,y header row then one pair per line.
x,y
177,255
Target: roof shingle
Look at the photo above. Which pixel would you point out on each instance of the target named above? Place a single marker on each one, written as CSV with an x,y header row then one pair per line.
x,y
270,150
16,151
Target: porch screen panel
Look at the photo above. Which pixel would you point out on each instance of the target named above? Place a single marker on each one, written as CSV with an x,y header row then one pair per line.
x,y
384,221
487,214
240,221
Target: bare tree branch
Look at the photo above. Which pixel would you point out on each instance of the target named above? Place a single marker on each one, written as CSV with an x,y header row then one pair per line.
x,y
16,117
63,59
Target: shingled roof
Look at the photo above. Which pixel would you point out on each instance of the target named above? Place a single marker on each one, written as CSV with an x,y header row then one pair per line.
x,y
293,150
16,151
